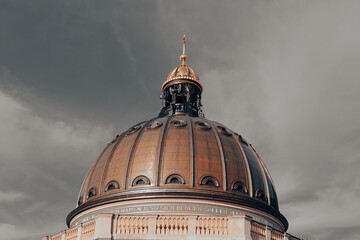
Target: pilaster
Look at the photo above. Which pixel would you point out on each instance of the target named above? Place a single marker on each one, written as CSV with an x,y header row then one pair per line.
x,y
268,233
240,229
103,226
192,225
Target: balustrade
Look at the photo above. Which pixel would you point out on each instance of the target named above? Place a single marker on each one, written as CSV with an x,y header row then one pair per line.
x,y
71,234
57,236
87,230
172,225
276,235
211,226
258,231
132,225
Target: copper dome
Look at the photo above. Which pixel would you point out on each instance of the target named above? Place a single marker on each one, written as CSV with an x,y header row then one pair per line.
x,y
180,154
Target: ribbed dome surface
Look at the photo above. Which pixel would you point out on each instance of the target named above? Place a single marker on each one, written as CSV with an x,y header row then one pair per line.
x,y
188,154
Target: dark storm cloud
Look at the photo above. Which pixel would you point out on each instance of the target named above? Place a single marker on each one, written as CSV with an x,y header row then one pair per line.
x,y
284,74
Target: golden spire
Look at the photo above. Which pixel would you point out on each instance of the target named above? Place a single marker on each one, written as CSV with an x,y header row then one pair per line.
x,y
183,57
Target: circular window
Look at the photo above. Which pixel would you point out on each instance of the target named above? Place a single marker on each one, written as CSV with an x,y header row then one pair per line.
x,y
155,124
133,129
203,125
178,123
223,130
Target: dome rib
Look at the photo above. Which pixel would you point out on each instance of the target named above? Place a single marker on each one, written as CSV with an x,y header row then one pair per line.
x,y
222,156
257,181
262,174
97,167
192,152
116,143
160,151
250,190
131,154
272,193
84,186
207,154
82,189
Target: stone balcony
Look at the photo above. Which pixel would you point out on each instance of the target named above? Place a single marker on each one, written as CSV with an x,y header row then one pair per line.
x,y
112,226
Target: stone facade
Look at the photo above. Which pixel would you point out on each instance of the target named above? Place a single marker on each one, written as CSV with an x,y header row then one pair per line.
x,y
201,227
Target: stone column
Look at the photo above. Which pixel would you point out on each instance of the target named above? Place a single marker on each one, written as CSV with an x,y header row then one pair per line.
x,y
192,227
79,233
63,236
240,229
152,227
268,233
103,226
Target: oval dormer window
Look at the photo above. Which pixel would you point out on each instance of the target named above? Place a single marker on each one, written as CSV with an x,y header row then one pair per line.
x,y
209,181
141,180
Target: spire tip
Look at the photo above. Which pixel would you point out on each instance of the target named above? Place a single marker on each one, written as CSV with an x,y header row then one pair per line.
x,y
183,57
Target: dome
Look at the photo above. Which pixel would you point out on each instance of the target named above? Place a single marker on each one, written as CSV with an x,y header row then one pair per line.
x,y
180,155
182,73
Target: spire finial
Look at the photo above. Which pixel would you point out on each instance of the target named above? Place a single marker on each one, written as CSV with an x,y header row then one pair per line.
x,y
183,57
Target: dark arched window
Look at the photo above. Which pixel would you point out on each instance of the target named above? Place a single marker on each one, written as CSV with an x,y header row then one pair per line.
x,y
260,194
178,123
239,187
175,178
91,193
209,181
223,130
112,185
141,180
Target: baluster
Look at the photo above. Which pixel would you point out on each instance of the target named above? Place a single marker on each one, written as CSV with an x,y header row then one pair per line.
x,y
157,226
161,226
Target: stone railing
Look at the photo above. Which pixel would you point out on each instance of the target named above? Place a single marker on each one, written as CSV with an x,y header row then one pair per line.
x,y
258,231
276,235
211,226
71,234
57,236
111,226
172,225
88,230
131,225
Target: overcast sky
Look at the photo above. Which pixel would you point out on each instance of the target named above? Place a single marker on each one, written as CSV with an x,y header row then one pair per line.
x,y
284,74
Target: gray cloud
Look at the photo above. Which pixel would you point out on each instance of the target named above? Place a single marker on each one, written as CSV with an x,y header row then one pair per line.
x,y
284,74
